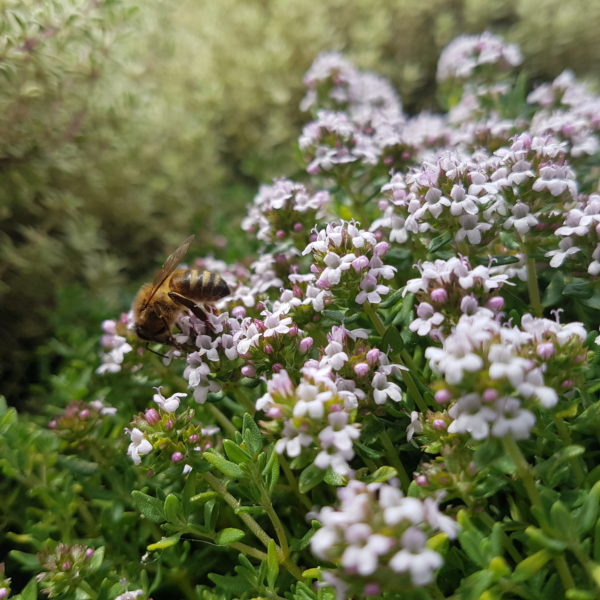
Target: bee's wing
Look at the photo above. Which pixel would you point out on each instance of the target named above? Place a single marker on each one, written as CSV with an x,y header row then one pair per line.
x,y
170,265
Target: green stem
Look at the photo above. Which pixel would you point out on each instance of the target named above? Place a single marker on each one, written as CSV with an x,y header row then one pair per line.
x,y
252,525
525,475
227,425
392,456
293,482
532,286
575,461
406,376
277,525
506,541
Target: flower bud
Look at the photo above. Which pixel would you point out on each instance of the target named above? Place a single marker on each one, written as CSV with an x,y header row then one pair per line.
x,y
274,412
372,589
297,227
109,326
567,384
439,424
152,416
268,349
361,369
176,457
67,565
439,295
293,330
248,371
84,414
277,367
545,350
381,249
495,303
421,480
3,593
469,305
442,396
490,395
360,263
373,356
89,552
280,234
305,344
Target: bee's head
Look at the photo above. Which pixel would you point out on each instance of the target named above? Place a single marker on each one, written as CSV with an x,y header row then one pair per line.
x,y
161,335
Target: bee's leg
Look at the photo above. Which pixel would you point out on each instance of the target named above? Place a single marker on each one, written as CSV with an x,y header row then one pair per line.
x,y
196,310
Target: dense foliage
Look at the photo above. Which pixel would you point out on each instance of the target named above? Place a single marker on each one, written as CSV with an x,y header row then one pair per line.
x,y
398,397
125,125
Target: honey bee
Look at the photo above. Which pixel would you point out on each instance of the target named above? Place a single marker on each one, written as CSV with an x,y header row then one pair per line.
x,y
158,304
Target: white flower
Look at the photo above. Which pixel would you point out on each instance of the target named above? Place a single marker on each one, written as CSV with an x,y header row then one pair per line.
x,y
170,404
139,446
471,417
292,441
512,419
130,595
384,389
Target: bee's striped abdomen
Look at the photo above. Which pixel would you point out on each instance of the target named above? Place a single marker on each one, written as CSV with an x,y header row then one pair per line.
x,y
201,286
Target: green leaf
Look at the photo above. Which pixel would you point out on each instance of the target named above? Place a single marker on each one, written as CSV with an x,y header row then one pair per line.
x,y
235,453
29,562
251,434
229,535
334,315
30,591
233,586
589,420
562,522
97,559
164,543
172,510
272,564
528,567
391,299
225,466
554,291
309,478
439,241
588,514
393,339
150,507
579,289
382,474
333,478
77,465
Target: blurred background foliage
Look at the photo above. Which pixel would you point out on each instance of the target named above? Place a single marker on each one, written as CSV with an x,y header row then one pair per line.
x,y
127,125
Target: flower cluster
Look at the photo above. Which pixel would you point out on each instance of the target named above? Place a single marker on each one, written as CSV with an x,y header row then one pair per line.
x,y
496,376
285,210
468,201
580,237
476,56
450,288
348,262
172,436
311,417
114,343
64,566
80,418
375,530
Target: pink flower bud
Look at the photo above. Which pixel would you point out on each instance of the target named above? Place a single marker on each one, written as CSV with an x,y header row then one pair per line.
x,y
421,480
335,408
495,303
280,234
372,589
361,369
381,249
3,593
260,306
360,263
169,424
373,356
293,330
490,395
109,326
439,295
277,367
176,457
439,424
274,412
312,237
442,396
297,226
305,344
248,371
84,414
193,438
567,384
545,350
53,424
580,358
268,349
405,155
152,416
238,312
67,565
89,552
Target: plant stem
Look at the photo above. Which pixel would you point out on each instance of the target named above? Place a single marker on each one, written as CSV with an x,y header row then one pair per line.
x,y
565,436
221,418
293,482
532,286
252,525
392,456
